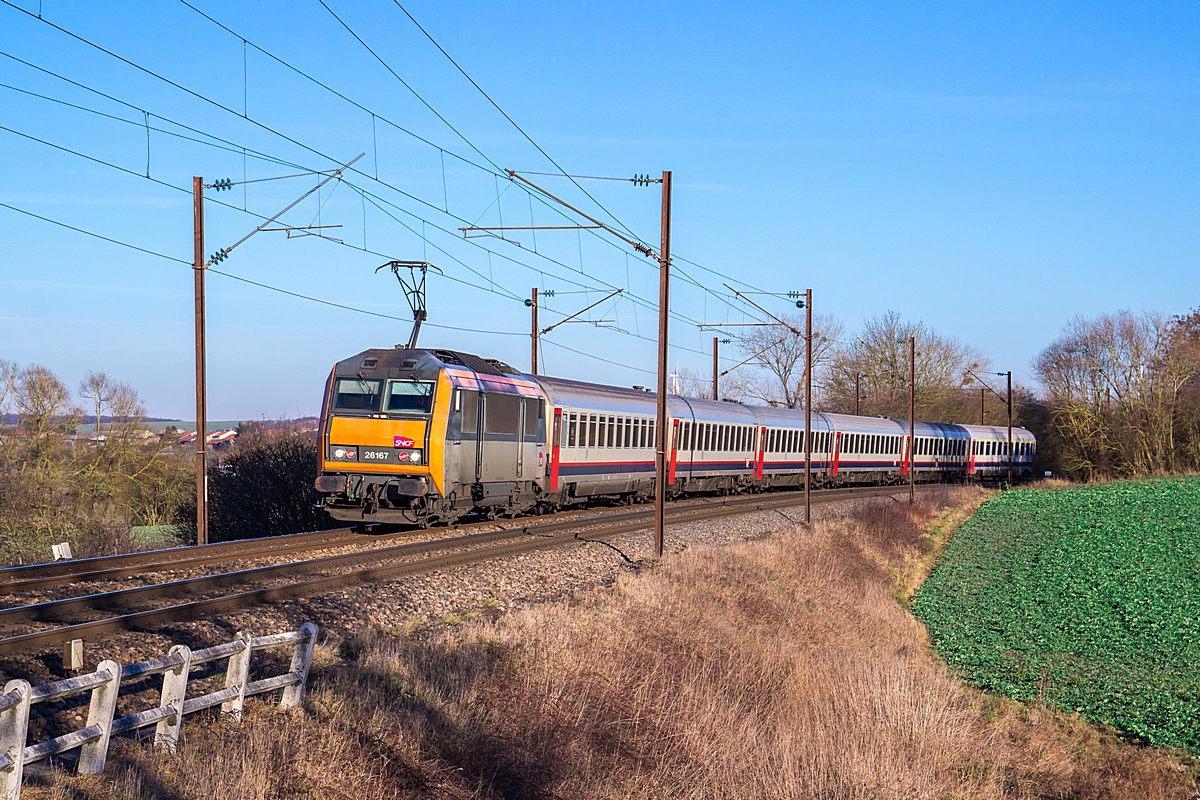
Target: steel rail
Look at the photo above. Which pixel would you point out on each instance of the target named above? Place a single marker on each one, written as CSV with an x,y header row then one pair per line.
x,y
61,610
28,576
534,538
15,580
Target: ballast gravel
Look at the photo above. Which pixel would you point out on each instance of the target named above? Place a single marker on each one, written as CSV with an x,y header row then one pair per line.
x,y
414,606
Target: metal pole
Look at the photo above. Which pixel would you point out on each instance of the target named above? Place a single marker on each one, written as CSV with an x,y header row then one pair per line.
x,y
807,406
662,440
533,335
198,267
981,391
1010,442
716,371
856,393
912,417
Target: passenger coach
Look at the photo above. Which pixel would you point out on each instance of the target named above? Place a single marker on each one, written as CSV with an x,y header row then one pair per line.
x,y
425,436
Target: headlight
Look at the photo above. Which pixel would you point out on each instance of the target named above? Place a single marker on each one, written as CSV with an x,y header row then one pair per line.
x,y
415,458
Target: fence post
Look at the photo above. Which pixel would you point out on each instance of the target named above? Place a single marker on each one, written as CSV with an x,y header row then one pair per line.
x,y
103,706
237,674
14,725
301,657
174,692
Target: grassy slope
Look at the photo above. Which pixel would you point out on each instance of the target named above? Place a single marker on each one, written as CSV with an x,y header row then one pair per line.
x,y
1088,598
782,668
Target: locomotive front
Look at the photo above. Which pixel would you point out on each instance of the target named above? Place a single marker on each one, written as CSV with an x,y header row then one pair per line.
x,y
383,430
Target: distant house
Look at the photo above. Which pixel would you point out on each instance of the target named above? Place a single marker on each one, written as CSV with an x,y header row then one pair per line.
x,y
216,440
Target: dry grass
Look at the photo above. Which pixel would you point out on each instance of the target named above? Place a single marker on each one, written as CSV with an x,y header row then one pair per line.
x,y
783,668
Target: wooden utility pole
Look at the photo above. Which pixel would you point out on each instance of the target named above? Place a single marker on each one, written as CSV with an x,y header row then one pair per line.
x,y
533,333
981,391
808,358
912,417
857,375
198,267
716,371
662,438
1010,441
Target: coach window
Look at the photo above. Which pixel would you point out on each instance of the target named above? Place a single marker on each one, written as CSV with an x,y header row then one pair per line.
x,y
650,436
572,427
725,431
591,431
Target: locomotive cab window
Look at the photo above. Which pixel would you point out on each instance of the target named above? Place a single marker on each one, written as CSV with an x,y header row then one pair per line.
x,y
356,394
409,396
464,415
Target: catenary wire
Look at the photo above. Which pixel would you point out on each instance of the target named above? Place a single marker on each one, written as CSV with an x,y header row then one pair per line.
x,y
511,120
200,96
632,297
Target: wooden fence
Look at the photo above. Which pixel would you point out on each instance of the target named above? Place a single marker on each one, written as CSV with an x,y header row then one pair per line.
x,y
105,684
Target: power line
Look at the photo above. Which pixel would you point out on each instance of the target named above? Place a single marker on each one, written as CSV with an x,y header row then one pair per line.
x,y
268,286
300,144
277,133
562,171
330,89
95,235
633,297
406,85
298,294
593,356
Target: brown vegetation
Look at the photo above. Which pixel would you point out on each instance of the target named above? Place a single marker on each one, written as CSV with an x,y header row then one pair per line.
x,y
88,490
780,668
1124,393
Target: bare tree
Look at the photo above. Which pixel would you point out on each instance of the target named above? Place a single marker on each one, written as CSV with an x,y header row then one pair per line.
x,y
10,376
774,372
1114,383
879,356
45,414
98,390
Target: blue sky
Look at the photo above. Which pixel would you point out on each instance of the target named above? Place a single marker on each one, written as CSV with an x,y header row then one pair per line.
x,y
992,171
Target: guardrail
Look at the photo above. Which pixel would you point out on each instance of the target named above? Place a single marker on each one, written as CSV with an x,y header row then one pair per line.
x,y
105,684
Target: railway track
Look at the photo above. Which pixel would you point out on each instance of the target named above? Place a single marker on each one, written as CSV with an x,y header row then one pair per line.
x,y
378,564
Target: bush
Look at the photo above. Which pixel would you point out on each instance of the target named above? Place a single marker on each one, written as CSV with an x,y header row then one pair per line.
x,y
263,485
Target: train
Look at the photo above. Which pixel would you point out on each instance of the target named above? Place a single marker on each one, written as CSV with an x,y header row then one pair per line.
x,y
426,436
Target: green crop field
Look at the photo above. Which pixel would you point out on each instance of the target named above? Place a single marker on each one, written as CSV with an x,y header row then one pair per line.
x,y
1086,598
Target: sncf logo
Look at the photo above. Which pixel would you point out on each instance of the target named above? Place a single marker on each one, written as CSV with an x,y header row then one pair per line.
x,y
402,441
